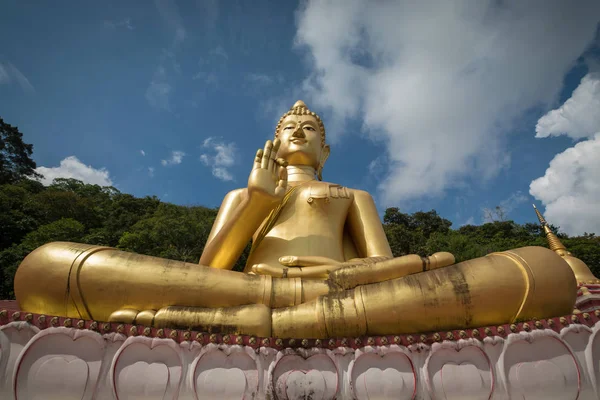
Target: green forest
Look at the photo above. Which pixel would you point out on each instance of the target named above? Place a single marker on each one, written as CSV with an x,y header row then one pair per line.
x,y
69,210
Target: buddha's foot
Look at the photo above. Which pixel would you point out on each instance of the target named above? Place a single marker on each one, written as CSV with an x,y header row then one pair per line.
x,y
253,319
250,319
132,316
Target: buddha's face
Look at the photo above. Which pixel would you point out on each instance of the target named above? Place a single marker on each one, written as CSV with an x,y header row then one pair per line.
x,y
301,142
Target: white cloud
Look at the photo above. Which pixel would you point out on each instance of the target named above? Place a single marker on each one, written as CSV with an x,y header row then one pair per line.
x,y
377,166
506,206
513,201
261,79
176,158
4,76
142,152
221,158
579,117
151,172
169,56
169,12
570,188
158,95
71,167
160,89
220,51
222,174
439,82
210,78
469,221
123,23
212,65
9,74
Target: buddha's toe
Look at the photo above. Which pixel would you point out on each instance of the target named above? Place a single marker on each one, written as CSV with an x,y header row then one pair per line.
x,y
124,316
145,317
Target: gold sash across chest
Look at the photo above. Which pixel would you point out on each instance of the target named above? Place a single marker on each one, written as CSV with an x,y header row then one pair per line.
x,y
271,220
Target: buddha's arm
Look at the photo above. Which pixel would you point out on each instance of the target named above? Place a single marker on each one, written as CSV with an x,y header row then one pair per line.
x,y
230,202
244,210
365,227
238,218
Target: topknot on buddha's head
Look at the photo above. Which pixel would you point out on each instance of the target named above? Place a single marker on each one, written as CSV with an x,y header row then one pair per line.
x,y
299,108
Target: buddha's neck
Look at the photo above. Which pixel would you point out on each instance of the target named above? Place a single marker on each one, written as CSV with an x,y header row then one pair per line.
x,y
300,173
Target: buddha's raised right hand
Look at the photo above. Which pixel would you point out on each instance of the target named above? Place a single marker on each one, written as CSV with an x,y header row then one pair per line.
x,y
268,179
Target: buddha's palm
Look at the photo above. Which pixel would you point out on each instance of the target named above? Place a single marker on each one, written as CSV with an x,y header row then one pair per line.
x,y
268,179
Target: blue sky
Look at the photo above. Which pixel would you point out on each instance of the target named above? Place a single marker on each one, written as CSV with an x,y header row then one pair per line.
x,y
172,98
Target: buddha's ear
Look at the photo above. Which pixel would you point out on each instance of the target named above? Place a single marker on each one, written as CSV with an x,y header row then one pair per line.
x,y
325,151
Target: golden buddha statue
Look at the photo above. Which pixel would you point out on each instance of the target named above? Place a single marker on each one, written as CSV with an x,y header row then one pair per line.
x,y
320,265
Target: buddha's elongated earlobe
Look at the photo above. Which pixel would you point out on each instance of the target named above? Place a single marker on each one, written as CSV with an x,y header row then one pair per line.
x,y
324,156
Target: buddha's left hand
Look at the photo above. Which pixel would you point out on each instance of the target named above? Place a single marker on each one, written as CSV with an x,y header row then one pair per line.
x,y
311,267
358,271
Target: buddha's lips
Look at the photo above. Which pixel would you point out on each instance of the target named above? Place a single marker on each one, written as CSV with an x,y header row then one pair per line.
x,y
298,141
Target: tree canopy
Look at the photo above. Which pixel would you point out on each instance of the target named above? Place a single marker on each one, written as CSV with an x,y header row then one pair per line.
x,y
69,210
15,155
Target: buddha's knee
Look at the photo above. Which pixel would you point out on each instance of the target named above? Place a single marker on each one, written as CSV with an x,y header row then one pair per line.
x,y
525,283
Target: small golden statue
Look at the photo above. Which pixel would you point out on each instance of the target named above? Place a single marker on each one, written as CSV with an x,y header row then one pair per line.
x,y
320,266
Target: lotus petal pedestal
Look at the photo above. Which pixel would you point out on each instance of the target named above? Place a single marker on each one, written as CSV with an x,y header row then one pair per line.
x,y
48,357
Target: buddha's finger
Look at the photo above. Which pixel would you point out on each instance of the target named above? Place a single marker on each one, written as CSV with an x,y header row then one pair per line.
x,y
273,155
282,183
283,177
264,269
316,272
266,158
306,261
276,144
257,159
440,260
282,162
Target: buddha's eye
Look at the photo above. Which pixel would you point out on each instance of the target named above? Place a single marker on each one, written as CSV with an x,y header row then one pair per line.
x,y
289,127
310,128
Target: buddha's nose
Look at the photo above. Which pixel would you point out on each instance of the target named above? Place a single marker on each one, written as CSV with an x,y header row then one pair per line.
x,y
299,133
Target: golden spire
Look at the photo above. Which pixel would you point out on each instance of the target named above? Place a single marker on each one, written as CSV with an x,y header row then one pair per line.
x,y
553,241
540,217
580,269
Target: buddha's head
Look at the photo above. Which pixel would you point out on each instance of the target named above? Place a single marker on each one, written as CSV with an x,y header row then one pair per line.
x,y
302,136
